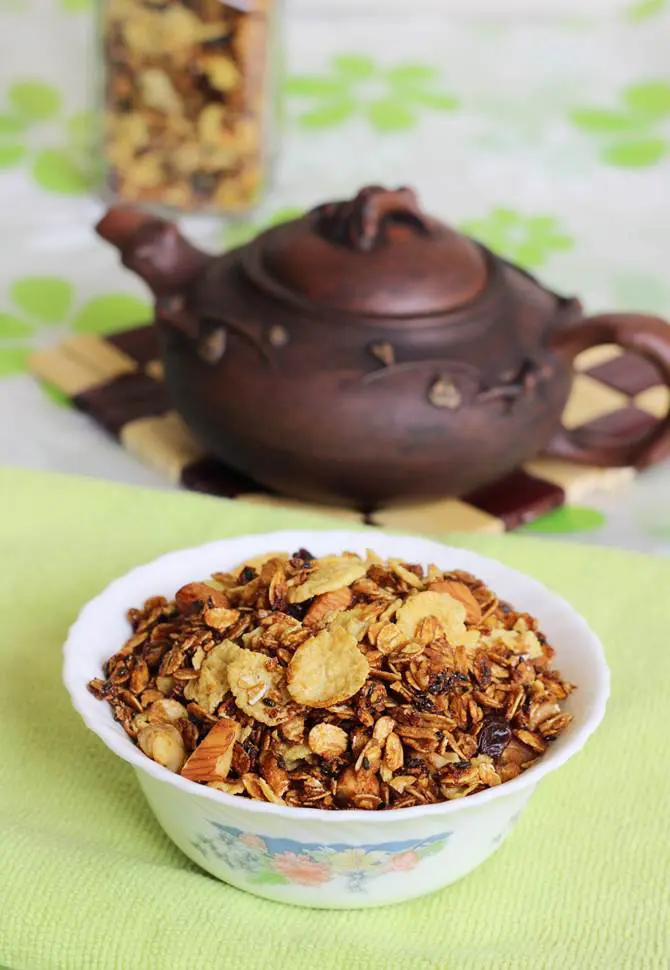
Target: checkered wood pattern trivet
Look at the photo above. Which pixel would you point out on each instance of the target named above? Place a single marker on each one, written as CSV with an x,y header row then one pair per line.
x,y
117,381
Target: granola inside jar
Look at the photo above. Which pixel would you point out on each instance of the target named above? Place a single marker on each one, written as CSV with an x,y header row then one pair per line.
x,y
189,102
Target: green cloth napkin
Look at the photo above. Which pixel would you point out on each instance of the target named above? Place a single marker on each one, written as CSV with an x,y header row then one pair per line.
x,y
88,881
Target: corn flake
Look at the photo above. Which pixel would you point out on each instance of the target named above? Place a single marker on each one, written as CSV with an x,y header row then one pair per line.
x,y
327,669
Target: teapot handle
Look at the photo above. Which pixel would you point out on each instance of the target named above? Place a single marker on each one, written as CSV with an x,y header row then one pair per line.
x,y
635,332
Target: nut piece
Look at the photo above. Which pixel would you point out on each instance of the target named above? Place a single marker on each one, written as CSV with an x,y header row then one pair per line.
x,y
328,574
326,603
327,669
211,759
163,744
195,597
165,711
328,741
356,789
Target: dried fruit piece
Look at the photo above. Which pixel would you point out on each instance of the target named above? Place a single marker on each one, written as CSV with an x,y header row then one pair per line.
x,y
163,744
211,759
325,604
329,573
327,669
328,741
494,736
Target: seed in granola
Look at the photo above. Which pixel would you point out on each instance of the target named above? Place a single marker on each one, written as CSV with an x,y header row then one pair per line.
x,y
494,736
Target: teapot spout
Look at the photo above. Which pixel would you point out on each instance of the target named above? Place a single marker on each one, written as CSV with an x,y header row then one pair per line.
x,y
153,248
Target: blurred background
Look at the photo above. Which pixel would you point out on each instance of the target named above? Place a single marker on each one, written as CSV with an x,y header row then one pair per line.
x,y
541,127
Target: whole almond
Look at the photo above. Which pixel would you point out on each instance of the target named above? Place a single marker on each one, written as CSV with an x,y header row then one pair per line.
x,y
211,759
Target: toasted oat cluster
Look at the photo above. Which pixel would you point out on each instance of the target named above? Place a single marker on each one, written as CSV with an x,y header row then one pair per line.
x,y
186,102
338,682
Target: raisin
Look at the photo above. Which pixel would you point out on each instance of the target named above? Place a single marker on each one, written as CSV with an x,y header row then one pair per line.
x,y
494,736
297,610
423,702
445,681
304,555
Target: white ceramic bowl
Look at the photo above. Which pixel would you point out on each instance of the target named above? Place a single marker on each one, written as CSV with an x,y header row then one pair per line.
x,y
310,857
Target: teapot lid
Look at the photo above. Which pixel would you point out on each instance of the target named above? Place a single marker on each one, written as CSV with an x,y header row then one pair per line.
x,y
377,254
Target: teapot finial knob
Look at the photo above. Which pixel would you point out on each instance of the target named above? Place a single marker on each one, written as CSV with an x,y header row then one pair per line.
x,y
361,222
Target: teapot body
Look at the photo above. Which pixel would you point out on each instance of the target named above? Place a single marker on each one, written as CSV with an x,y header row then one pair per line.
x,y
366,353
359,409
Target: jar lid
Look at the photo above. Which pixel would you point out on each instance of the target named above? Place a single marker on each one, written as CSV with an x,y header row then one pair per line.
x,y
377,254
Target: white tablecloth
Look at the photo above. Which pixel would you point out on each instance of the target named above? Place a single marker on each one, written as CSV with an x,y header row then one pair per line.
x,y
544,127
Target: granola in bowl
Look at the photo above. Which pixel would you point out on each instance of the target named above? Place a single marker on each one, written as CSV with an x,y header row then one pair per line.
x,y
337,682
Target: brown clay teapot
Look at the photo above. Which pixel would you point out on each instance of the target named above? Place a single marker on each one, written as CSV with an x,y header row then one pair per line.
x,y
367,353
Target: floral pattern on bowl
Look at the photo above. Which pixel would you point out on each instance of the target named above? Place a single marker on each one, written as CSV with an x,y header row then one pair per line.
x,y
282,861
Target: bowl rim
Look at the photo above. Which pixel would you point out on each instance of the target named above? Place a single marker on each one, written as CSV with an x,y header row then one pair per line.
x,y
115,738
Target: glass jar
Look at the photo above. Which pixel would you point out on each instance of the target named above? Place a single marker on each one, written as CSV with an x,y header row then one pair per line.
x,y
190,102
